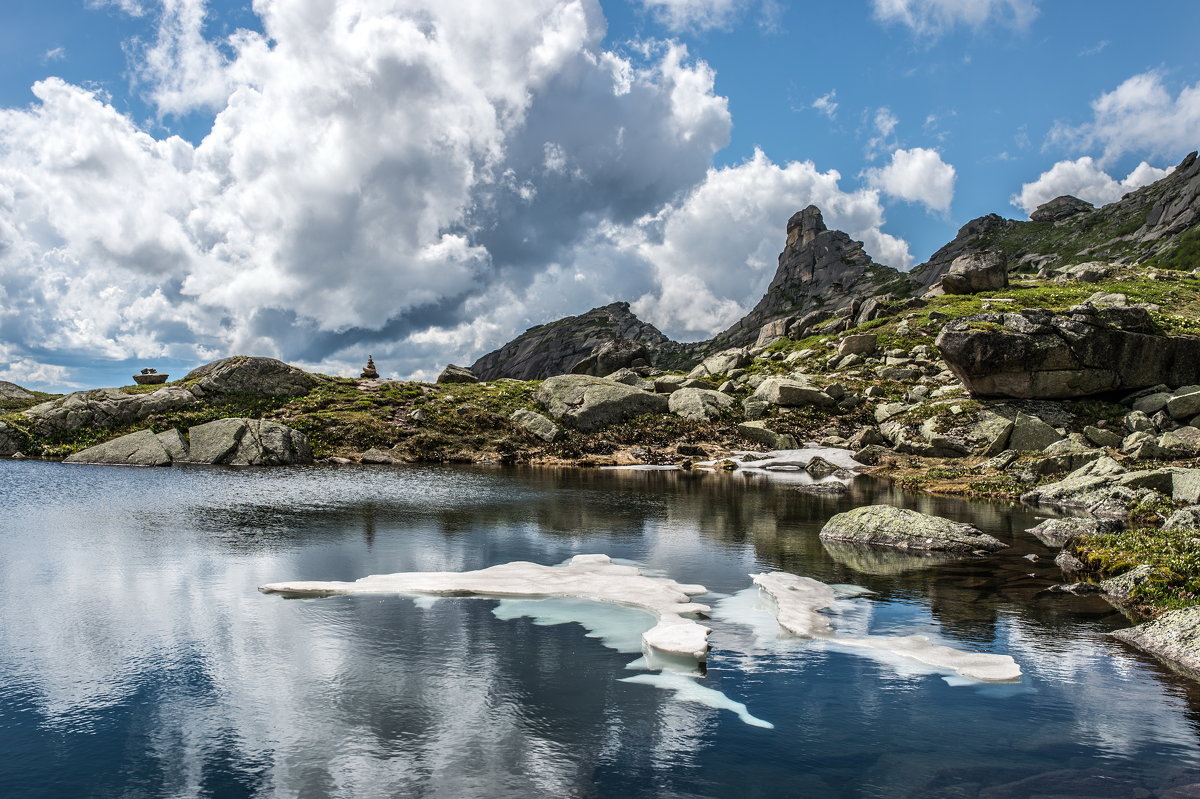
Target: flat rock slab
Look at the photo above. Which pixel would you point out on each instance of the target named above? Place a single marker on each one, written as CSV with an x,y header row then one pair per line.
x,y
142,448
1173,637
906,530
591,577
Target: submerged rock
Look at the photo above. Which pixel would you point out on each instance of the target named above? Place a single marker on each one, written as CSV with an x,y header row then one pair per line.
x,y
593,403
903,529
1173,637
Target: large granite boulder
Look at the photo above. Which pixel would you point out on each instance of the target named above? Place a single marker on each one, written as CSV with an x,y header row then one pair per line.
x,y
106,407
248,442
1040,354
907,530
1173,637
791,393
261,377
590,403
611,356
698,404
1059,532
759,433
536,424
457,374
721,363
11,391
976,272
142,448
1062,207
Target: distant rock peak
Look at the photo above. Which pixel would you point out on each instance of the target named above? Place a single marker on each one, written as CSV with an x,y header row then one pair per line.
x,y
804,226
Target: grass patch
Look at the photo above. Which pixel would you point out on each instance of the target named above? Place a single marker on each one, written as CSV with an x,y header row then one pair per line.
x,y
1175,553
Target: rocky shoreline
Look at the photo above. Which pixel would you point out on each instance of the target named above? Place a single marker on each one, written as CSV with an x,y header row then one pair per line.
x,y
1055,362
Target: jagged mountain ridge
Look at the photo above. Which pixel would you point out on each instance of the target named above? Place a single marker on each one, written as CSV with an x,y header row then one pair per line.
x,y
822,269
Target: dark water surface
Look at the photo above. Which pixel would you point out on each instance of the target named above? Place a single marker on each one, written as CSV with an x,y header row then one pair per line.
x,y
137,658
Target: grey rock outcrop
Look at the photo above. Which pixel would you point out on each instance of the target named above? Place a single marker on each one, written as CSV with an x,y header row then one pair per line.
x,y
142,448
536,424
114,407
254,376
976,272
1184,519
759,433
457,374
721,363
1043,355
907,530
611,356
970,237
1062,207
11,391
174,443
11,441
592,403
791,393
248,442
1059,532
377,457
1173,637
556,348
698,404
106,407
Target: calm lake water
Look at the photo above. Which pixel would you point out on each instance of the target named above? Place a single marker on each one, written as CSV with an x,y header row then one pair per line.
x,y
138,659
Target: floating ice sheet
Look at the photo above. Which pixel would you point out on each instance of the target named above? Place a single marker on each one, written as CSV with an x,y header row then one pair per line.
x,y
799,600
592,577
789,459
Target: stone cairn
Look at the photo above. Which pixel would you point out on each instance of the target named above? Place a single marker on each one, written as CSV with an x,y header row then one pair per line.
x,y
369,371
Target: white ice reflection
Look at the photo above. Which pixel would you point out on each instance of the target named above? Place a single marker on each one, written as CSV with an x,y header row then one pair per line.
x,y
843,626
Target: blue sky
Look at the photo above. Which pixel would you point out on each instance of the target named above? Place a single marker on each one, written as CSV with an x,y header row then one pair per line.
x,y
423,180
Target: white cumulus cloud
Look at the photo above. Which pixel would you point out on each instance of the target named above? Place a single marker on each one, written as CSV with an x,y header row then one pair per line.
x,y
1139,116
714,253
377,171
934,17
1085,179
917,175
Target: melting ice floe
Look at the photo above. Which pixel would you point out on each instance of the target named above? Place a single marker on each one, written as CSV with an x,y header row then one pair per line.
x,y
790,459
799,600
586,589
592,577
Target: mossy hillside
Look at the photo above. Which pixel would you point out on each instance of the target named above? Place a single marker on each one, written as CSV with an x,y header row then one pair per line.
x,y
13,405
